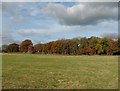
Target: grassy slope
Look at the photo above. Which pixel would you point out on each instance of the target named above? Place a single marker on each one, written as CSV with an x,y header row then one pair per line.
x,y
50,71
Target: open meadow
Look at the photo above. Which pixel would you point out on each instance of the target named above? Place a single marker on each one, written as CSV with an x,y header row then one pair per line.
x,y
58,71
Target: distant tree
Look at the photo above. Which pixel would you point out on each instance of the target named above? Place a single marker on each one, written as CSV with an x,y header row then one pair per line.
x,y
104,42
92,41
53,47
89,50
44,46
75,46
98,49
48,48
31,49
4,48
83,43
23,47
0,49
119,45
38,48
13,47
112,47
60,46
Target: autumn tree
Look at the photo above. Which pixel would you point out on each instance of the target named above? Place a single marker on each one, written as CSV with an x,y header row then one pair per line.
x,y
92,42
83,44
89,50
75,46
31,49
98,49
24,46
38,48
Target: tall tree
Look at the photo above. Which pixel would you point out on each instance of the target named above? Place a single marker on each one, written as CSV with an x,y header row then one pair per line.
x,y
23,47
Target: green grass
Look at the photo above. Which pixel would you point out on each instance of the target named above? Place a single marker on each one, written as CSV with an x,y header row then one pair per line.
x,y
57,71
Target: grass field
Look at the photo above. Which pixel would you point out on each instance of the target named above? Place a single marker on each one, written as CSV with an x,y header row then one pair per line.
x,y
57,71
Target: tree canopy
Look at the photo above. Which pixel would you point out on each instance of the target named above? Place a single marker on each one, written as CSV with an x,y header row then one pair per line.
x,y
75,46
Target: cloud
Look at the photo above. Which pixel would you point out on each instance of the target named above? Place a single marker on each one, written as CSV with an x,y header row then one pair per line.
x,y
12,13
110,35
47,36
34,13
8,38
82,13
43,31
54,32
41,22
60,0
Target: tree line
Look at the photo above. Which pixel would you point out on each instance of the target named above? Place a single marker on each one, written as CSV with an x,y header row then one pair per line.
x,y
75,46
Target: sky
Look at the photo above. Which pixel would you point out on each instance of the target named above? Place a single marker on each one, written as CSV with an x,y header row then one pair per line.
x,y
43,22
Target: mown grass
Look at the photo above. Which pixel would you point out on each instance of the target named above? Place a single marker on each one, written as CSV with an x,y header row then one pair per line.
x,y
57,71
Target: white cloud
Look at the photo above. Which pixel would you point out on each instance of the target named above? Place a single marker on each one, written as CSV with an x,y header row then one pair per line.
x,y
82,13
57,32
41,28
110,35
60,1
34,12
42,31
7,38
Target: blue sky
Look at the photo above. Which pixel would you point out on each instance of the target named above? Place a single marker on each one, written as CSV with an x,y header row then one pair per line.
x,y
44,22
